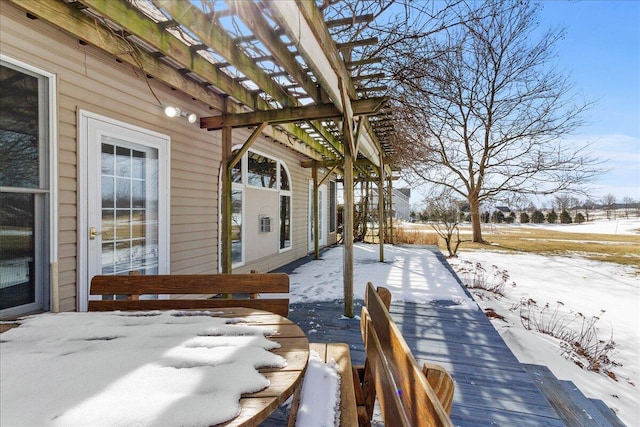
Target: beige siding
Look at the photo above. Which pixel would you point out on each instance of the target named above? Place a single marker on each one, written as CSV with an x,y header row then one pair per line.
x,y
90,80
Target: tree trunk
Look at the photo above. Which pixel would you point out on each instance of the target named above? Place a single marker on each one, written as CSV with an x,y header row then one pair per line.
x,y
474,210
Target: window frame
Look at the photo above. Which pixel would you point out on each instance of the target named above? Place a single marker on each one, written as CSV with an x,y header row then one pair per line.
x,y
45,194
285,193
243,183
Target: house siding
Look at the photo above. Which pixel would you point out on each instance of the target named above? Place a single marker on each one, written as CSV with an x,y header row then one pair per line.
x,y
90,80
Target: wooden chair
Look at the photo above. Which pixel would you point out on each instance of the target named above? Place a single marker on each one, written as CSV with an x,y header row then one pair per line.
x,y
191,291
392,374
339,352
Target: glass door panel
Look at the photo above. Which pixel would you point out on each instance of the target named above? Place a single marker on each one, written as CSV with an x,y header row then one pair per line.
x,y
129,209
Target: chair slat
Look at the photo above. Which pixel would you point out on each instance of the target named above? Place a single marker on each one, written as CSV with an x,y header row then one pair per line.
x,y
190,284
388,351
192,291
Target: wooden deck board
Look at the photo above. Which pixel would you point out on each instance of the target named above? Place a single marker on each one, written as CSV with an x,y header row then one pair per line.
x,y
576,409
492,387
490,382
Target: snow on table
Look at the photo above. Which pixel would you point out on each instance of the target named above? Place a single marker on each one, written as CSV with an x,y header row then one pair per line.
x,y
130,368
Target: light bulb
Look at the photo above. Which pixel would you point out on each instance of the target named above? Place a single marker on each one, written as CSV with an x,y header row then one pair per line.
x,y
192,118
172,111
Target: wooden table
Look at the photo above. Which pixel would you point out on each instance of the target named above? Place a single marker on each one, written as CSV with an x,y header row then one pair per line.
x,y
255,407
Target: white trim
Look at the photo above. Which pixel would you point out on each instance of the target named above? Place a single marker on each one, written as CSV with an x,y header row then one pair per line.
x,y
243,235
164,197
287,193
52,154
322,213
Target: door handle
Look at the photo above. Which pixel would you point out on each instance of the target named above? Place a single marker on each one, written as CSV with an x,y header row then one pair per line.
x,y
93,233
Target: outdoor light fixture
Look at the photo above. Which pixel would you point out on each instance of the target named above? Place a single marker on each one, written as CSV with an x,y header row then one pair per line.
x,y
177,112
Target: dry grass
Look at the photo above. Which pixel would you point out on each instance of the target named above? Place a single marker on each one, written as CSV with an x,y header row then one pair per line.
x,y
414,236
620,249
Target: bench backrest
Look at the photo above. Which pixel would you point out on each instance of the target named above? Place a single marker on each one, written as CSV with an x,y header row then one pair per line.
x,y
191,291
401,386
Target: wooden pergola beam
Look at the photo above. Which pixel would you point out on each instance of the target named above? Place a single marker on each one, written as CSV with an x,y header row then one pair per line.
x,y
365,61
80,26
153,34
77,24
361,107
350,21
304,25
365,89
331,163
356,43
211,34
253,18
372,179
369,77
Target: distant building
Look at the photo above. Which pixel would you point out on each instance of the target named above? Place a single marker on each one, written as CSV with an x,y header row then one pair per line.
x,y
399,202
505,210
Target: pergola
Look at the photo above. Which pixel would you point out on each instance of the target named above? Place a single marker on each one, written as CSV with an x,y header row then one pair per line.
x,y
268,65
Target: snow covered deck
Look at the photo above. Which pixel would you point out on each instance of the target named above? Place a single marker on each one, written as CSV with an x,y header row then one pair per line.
x,y
492,387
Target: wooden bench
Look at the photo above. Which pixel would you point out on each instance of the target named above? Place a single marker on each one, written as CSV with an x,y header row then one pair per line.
x,y
190,291
339,352
407,394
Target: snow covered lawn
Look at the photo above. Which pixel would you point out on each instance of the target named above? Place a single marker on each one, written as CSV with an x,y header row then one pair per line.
x,y
571,284
415,274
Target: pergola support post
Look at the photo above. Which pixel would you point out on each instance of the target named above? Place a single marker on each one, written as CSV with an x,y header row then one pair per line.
x,y
348,232
390,189
316,225
227,206
381,214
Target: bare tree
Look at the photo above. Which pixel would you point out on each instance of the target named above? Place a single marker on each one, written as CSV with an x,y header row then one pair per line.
x,y
628,202
445,215
609,202
482,111
563,201
588,205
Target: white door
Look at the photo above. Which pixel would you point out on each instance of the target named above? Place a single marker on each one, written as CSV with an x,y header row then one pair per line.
x,y
322,226
125,229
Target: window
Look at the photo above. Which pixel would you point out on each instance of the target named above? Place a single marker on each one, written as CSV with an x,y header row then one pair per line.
x,y
259,171
332,206
24,189
236,226
285,222
285,208
264,224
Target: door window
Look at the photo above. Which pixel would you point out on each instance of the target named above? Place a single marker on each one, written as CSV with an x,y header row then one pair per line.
x,y
129,223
